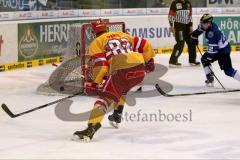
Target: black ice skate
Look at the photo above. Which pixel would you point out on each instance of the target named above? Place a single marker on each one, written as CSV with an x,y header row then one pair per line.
x,y
210,81
175,65
116,118
196,63
87,134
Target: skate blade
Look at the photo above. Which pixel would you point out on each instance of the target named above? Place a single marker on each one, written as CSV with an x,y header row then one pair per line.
x,y
85,139
114,124
194,65
211,85
174,66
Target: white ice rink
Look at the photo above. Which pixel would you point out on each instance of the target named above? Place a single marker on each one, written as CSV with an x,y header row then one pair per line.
x,y
213,133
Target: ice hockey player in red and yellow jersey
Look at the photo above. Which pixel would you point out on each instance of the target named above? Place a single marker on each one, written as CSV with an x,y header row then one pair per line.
x,y
145,48
124,60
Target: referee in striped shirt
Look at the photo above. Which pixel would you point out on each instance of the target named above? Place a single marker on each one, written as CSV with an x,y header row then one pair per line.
x,y
180,19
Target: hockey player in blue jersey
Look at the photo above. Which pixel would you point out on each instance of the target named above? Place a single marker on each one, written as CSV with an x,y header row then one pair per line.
x,y
219,49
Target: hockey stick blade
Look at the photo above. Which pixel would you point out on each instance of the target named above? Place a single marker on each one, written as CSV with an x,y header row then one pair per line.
x,y
161,91
6,109
192,94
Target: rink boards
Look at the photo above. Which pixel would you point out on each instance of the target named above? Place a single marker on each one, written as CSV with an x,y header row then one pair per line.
x,y
31,43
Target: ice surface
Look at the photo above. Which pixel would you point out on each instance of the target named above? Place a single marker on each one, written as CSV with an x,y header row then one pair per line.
x,y
213,133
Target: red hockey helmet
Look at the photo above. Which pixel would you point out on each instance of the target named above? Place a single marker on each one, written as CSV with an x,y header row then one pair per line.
x,y
99,26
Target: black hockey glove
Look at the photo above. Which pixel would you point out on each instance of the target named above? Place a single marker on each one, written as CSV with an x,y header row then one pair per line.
x,y
207,59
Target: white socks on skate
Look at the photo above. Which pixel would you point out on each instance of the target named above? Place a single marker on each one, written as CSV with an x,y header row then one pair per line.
x,y
208,69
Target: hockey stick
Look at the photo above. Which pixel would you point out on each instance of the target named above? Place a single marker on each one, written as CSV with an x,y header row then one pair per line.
x,y
12,115
192,94
212,71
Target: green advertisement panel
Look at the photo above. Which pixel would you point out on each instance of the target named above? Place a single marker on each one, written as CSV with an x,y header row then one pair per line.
x,y
43,39
230,25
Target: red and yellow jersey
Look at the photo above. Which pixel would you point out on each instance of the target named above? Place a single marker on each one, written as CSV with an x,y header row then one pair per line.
x,y
144,47
113,51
